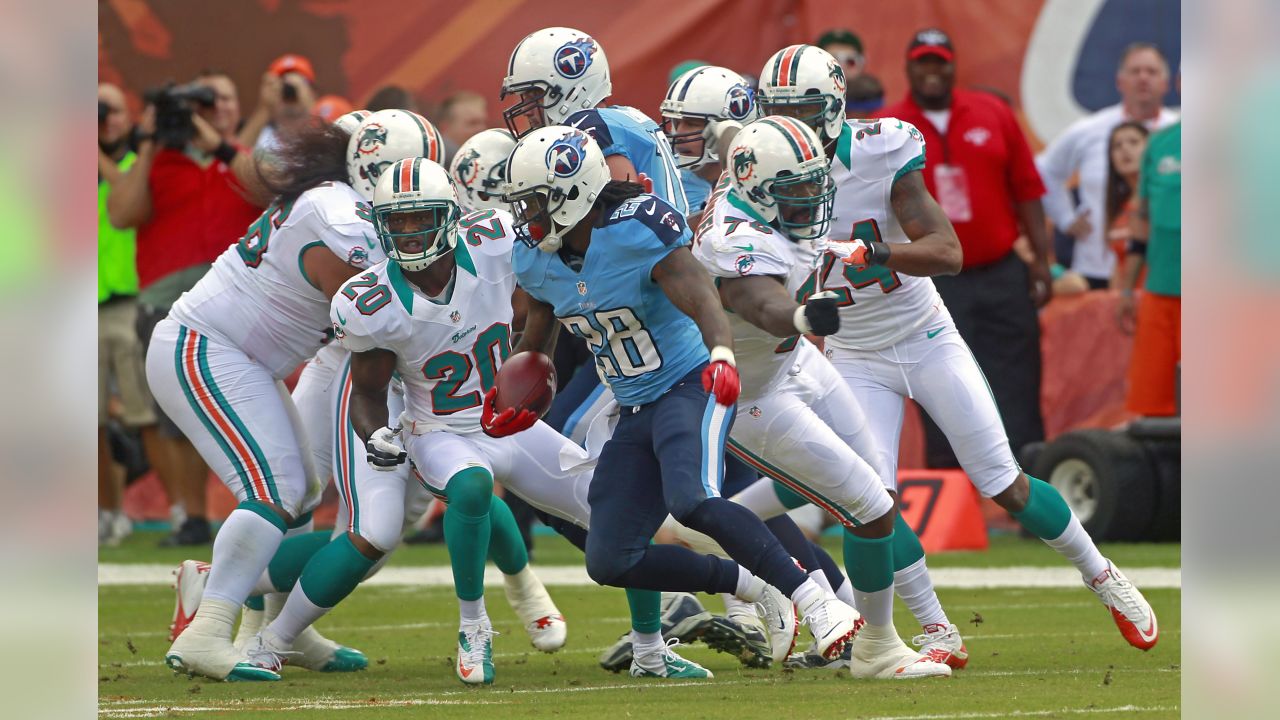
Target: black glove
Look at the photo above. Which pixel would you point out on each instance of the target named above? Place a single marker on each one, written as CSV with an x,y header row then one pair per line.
x,y
820,315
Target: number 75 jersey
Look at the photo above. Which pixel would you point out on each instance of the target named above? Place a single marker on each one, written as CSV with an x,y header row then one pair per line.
x,y
880,306
449,348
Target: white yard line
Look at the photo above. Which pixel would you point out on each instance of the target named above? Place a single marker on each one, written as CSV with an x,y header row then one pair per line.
x,y
576,575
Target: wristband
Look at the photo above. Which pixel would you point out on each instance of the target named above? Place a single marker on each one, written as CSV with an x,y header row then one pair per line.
x,y
226,152
720,352
878,253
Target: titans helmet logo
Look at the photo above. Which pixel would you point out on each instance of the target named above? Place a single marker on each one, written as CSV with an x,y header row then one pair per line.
x,y
565,156
574,57
740,102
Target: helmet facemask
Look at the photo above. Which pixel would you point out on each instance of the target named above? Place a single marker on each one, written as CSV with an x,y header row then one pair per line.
x,y
416,233
802,203
813,109
536,98
533,209
691,147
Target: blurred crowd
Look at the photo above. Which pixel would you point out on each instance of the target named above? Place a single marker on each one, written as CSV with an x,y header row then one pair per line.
x,y
1096,211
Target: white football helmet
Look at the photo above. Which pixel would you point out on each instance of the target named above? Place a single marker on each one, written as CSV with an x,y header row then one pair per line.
x,y
564,70
553,178
350,121
707,93
479,167
415,212
804,82
777,165
385,137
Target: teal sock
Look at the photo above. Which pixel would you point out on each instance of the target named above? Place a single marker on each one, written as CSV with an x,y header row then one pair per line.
x,y
788,497
906,545
255,602
646,610
506,546
869,562
333,572
1046,514
467,529
294,554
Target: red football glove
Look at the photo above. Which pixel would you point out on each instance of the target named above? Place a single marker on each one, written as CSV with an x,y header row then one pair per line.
x,y
647,182
720,378
507,422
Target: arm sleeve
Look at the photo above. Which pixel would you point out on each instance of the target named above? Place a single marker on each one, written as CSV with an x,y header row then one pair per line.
x,y
1056,164
1024,179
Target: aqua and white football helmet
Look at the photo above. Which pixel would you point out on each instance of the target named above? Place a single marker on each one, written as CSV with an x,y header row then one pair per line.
x,y
350,121
804,82
415,213
478,169
553,178
777,165
561,71
707,93
385,137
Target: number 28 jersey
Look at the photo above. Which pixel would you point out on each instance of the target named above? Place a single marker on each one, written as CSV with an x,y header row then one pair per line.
x,y
880,306
448,349
257,297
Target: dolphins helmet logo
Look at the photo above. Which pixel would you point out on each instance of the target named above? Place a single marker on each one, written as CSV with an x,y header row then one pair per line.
x,y
565,156
744,163
740,101
837,76
372,137
574,57
467,169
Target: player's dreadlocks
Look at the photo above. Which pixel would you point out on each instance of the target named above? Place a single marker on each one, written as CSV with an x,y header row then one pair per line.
x,y
314,154
616,192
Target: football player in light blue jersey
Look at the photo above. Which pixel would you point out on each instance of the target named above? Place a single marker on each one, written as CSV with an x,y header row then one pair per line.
x,y
561,75
612,263
697,101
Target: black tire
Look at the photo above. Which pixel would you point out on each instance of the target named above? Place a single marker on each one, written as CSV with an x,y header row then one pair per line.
x,y
1107,479
1166,459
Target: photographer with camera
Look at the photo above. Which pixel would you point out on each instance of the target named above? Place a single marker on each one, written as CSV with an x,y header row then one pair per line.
x,y
286,101
190,193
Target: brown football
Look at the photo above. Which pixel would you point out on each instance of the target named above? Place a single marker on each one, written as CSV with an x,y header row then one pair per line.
x,y
526,380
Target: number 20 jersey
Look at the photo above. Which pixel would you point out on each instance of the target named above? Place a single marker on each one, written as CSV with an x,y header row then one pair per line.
x,y
881,306
256,296
448,349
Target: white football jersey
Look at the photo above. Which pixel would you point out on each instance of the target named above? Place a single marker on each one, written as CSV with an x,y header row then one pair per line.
x,y
448,349
880,306
256,296
732,242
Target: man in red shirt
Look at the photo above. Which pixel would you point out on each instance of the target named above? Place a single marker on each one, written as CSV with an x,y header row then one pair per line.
x,y
188,204
980,169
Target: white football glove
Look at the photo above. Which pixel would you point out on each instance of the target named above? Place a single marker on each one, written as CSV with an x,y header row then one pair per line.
x,y
384,449
853,252
712,133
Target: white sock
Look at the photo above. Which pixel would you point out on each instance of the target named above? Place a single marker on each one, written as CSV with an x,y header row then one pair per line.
x,y
750,587
876,607
297,615
472,612
645,641
273,604
215,617
807,595
761,499
915,587
244,545
1075,545
845,592
821,578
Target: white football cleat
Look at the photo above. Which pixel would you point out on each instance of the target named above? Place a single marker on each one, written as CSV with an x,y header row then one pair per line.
x,y
942,643
197,652
662,662
832,622
188,582
1132,613
475,653
313,651
531,603
778,614
878,653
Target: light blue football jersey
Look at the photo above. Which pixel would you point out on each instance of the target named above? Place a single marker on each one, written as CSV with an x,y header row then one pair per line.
x,y
625,131
643,344
696,190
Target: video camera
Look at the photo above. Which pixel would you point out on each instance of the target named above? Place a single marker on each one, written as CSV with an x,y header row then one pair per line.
x,y
174,105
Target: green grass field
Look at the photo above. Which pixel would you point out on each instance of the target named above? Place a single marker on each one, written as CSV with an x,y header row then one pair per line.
x,y
1039,652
